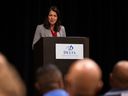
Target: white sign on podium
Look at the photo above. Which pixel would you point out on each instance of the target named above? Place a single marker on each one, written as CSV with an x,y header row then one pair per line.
x,y
69,51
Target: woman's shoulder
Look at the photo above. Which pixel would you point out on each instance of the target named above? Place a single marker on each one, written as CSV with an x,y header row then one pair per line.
x,y
62,26
40,26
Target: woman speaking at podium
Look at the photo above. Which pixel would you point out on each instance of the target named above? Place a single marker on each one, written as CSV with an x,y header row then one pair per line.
x,y
51,27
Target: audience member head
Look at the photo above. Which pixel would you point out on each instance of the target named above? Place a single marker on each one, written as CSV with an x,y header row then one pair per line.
x,y
84,78
11,83
119,75
48,77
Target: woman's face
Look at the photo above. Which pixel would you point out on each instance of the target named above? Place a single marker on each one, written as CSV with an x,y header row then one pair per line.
x,y
52,17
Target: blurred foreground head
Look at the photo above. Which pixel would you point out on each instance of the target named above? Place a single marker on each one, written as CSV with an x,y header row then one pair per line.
x,y
84,78
11,83
48,78
119,75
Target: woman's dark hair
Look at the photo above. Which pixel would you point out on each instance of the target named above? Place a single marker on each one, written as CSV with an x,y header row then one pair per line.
x,y
58,22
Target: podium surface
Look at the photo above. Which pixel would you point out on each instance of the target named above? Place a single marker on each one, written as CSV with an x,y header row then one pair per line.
x,y
45,51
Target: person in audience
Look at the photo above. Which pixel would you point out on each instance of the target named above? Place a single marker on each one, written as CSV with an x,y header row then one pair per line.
x,y
84,78
119,79
11,84
49,81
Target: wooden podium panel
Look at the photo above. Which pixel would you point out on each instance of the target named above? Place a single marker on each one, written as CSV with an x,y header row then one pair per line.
x,y
44,51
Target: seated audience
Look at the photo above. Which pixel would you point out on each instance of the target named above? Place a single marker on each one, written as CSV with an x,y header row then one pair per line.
x,y
11,83
84,78
119,79
49,81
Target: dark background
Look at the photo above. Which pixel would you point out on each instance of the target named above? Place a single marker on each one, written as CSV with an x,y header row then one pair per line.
x,y
105,22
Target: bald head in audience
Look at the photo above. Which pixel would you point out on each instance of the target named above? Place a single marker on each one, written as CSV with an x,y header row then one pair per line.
x,y
119,75
11,83
84,78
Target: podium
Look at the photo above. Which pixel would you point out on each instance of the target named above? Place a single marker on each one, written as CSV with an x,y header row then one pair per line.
x,y
61,51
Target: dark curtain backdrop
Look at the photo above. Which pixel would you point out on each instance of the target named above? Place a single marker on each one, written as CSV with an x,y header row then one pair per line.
x,y
105,22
